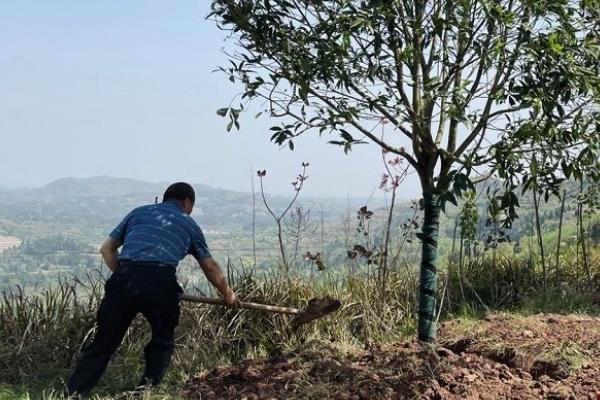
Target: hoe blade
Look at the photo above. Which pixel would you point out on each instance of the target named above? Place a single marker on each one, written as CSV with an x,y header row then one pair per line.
x,y
317,308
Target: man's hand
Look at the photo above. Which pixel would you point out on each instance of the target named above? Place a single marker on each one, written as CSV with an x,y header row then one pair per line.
x,y
231,299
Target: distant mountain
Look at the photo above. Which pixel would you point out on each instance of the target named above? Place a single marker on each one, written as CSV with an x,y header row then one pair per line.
x,y
100,202
99,186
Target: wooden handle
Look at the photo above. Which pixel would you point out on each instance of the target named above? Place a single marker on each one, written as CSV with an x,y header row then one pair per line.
x,y
250,306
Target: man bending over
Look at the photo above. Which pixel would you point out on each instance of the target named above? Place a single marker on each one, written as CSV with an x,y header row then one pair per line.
x,y
154,239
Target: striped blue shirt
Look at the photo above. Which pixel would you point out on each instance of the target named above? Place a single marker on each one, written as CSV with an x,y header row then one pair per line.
x,y
161,233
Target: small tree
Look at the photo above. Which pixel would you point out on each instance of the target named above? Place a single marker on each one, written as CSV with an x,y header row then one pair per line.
x,y
467,221
298,184
495,233
395,173
471,88
469,216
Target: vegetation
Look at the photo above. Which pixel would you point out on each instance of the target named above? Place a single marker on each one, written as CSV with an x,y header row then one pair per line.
x,y
39,262
469,86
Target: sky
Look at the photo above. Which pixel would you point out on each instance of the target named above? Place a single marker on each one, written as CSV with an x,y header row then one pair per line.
x,y
126,88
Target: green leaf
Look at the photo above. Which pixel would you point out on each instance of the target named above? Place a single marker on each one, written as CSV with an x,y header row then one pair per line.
x,y
222,111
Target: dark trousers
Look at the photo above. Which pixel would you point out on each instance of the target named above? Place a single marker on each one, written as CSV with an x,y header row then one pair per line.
x,y
150,289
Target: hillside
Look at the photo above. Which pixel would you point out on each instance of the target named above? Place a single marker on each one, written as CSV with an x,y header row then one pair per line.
x,y
104,200
84,210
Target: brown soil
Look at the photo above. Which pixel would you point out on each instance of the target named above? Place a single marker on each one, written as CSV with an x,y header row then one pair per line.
x,y
545,356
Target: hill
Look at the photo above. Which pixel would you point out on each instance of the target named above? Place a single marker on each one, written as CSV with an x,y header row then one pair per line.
x,y
102,201
82,211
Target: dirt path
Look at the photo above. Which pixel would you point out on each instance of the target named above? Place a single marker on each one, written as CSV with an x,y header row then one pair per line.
x,y
501,357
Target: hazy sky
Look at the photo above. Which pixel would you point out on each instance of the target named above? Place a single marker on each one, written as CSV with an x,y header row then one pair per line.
x,y
125,88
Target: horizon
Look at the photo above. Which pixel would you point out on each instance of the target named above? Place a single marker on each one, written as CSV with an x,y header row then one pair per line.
x,y
377,193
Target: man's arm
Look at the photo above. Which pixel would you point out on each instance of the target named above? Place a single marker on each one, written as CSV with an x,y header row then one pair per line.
x,y
110,253
215,277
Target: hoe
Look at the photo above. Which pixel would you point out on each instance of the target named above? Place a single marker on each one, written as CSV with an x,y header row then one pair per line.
x,y
317,308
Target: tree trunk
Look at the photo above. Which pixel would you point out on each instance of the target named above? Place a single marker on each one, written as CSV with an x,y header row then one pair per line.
x,y
322,235
560,228
540,238
298,233
429,262
285,266
460,266
577,243
581,238
253,217
386,245
454,237
347,235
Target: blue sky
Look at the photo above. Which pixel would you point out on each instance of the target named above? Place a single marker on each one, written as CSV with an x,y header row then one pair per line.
x,y
125,88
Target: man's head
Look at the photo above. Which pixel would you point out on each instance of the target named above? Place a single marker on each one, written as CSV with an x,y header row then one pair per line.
x,y
183,193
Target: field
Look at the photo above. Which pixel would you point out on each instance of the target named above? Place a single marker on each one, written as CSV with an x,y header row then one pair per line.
x,y
7,242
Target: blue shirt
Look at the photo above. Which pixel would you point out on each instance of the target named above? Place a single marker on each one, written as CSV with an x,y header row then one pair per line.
x,y
161,233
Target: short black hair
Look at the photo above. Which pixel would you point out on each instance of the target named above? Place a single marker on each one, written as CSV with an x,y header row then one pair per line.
x,y
180,191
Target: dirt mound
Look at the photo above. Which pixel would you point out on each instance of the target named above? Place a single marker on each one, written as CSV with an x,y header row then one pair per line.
x,y
500,357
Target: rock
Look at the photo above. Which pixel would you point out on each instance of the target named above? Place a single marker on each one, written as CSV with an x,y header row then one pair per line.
x,y
519,387
560,394
524,374
448,354
364,394
504,372
527,333
587,365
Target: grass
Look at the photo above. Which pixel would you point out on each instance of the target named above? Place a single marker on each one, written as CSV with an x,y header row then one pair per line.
x,y
566,358
42,333
560,302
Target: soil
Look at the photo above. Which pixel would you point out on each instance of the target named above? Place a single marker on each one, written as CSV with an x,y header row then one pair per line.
x,y
546,356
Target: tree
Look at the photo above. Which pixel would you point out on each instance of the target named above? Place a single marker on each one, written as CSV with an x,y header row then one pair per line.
x,y
298,184
472,88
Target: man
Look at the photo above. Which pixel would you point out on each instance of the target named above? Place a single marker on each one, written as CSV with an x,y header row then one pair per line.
x,y
154,239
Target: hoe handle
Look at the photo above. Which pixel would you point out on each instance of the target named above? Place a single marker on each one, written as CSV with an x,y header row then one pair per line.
x,y
251,306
